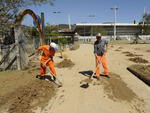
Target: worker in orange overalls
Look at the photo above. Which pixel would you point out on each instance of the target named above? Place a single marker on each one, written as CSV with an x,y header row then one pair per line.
x,y
48,51
100,49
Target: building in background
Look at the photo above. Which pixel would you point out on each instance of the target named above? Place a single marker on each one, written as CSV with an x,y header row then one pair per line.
x,y
123,30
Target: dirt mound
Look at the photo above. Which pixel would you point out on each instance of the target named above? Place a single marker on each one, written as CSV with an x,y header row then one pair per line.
x,y
28,97
126,52
88,80
20,91
118,50
132,55
111,46
74,46
65,63
137,48
138,60
148,51
116,89
141,71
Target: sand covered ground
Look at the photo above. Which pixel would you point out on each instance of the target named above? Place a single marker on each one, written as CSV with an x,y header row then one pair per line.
x,y
123,92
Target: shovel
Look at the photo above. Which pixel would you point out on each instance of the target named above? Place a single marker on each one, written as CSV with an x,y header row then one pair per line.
x,y
54,80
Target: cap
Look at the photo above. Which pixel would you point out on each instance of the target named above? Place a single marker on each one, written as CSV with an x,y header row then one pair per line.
x,y
53,45
98,35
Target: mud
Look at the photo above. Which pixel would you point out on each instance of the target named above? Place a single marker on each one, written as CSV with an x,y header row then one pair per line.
x,y
138,60
65,64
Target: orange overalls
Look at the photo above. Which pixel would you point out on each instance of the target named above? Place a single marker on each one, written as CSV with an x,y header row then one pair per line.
x,y
47,53
102,60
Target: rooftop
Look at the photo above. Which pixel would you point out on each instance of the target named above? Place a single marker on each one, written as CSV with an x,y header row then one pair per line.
x,y
106,24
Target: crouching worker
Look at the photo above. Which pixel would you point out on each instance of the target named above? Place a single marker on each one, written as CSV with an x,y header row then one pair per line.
x,y
48,52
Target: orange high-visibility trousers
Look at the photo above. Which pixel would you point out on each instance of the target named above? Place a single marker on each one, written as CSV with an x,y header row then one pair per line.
x,y
102,60
50,64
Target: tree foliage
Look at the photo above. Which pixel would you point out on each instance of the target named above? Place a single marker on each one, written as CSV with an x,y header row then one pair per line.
x,y
146,22
146,18
10,8
99,30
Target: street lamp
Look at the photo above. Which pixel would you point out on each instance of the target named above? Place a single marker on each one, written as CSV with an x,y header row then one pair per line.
x,y
114,9
57,12
91,16
143,20
69,21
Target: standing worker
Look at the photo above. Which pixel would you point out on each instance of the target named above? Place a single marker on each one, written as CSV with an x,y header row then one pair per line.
x,y
100,49
48,52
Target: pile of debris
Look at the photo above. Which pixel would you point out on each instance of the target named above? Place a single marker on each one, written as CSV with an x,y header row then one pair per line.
x,y
138,60
65,63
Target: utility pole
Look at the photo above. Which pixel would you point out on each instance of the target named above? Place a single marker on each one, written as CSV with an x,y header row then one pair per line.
x,y
57,12
143,20
43,28
69,21
114,9
92,16
144,14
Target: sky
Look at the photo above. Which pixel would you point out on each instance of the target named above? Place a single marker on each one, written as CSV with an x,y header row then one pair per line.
x,y
90,11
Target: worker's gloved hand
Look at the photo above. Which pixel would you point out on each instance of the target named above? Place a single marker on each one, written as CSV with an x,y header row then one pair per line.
x,y
44,64
95,55
105,51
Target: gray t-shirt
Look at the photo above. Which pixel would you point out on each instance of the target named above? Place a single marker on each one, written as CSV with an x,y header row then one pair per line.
x,y
99,46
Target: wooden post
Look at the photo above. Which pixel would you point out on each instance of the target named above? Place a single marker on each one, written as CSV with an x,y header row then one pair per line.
x,y
0,53
17,33
42,38
43,30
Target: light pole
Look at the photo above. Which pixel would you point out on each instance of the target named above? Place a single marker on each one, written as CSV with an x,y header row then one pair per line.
x,y
92,16
114,9
69,21
143,20
57,12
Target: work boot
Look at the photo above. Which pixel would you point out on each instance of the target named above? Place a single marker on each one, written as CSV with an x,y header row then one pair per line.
x,y
106,75
37,76
42,78
96,77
